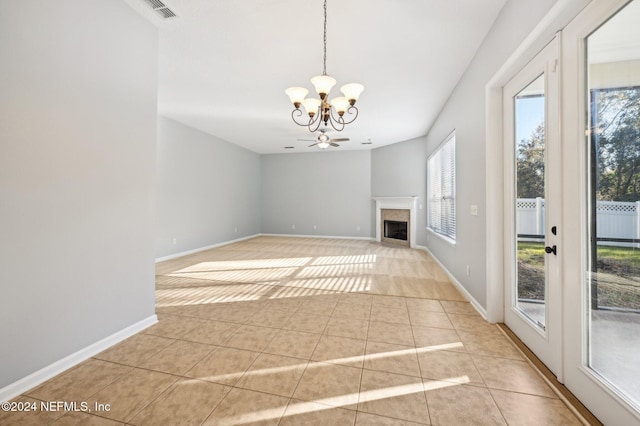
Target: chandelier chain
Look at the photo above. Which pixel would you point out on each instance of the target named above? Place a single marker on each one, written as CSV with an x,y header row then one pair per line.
x,y
324,63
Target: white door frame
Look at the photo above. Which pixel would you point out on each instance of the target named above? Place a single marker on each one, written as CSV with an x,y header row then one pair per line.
x,y
608,406
545,343
557,18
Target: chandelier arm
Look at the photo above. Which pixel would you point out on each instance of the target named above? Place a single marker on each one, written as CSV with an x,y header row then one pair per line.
x,y
293,117
350,113
340,123
307,124
335,118
315,122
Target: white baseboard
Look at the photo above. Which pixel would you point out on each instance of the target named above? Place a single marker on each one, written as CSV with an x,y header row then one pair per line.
x,y
477,306
319,236
188,252
34,379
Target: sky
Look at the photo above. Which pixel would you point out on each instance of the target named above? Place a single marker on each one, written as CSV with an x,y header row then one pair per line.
x,y
529,114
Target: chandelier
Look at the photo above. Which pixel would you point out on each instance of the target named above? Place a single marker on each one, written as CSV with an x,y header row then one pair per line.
x,y
337,112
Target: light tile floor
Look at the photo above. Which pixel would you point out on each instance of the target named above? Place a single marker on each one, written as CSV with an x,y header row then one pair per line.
x,y
297,331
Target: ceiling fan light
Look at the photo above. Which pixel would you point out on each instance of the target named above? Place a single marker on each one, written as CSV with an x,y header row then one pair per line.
x,y
323,145
311,105
296,95
340,104
352,91
323,84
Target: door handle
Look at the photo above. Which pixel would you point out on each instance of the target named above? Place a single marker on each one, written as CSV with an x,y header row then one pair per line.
x,y
552,249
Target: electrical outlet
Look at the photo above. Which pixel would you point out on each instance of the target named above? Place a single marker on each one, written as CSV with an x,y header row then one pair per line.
x,y
315,226
175,241
293,227
468,270
474,210
357,228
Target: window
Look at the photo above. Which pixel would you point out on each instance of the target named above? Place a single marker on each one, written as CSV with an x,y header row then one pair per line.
x,y
442,189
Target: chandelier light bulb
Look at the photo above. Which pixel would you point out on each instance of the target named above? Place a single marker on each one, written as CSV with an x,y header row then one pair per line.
x,y
323,84
296,95
340,104
311,105
352,91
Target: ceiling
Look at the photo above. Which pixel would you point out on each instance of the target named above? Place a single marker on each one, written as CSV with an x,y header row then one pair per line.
x,y
618,39
224,65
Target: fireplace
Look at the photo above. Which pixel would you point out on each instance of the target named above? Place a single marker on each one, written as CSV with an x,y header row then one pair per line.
x,y
395,225
396,230
397,209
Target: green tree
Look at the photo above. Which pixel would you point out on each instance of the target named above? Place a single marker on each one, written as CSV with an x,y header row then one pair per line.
x,y
530,165
617,138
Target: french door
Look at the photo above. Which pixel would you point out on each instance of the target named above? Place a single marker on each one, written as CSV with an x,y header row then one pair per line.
x,y
571,207
532,206
601,266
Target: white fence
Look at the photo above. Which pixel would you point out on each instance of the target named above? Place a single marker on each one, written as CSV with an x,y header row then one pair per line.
x,y
615,220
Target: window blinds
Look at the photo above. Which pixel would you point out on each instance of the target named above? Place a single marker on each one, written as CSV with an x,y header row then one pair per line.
x,y
442,189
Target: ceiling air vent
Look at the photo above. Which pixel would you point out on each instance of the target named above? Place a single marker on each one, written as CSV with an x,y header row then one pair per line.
x,y
161,8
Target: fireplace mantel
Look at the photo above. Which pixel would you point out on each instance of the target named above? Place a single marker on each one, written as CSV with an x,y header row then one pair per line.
x,y
400,203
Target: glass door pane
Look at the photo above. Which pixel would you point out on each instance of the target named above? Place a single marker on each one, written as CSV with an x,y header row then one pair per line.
x,y
532,162
613,306
529,292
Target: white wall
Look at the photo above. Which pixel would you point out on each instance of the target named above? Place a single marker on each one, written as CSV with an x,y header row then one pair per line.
x,y
208,190
77,160
331,190
465,112
399,170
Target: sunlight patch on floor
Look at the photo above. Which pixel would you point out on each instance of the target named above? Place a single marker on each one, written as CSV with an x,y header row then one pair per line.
x,y
211,295
339,401
335,270
234,265
336,284
223,378
285,292
196,285
239,275
345,260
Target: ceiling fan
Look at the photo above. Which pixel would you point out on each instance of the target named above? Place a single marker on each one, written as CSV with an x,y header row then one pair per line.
x,y
324,141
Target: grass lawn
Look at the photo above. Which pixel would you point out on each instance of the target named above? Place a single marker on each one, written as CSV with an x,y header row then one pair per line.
x,y
531,253
618,274
619,260
610,259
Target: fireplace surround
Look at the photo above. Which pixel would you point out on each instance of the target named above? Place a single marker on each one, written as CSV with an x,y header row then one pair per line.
x,y
396,209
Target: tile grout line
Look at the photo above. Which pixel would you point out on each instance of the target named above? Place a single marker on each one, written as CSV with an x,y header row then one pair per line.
x,y
552,385
364,358
415,344
495,403
306,366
